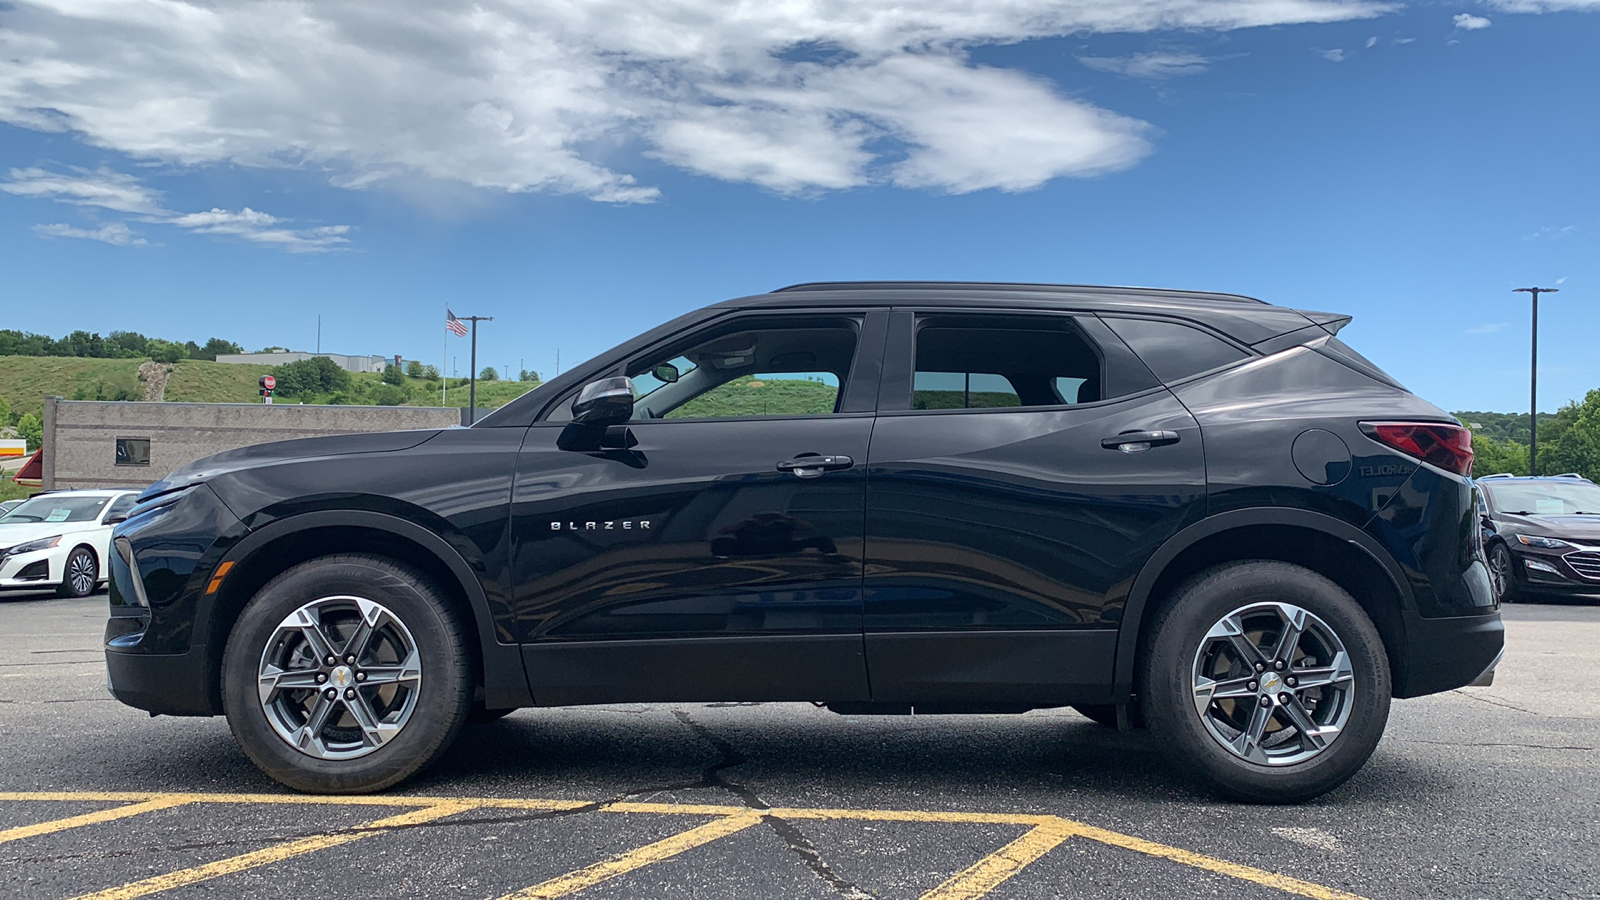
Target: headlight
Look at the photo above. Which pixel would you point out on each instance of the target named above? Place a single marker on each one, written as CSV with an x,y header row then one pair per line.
x,y
1543,543
31,546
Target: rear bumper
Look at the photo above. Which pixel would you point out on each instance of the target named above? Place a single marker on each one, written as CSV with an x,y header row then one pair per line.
x,y
1445,654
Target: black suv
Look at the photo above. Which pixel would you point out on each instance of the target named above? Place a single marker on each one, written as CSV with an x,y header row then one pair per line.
x,y
1197,513
1542,535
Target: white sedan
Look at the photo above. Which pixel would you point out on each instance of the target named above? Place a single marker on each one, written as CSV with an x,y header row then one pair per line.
x,y
60,540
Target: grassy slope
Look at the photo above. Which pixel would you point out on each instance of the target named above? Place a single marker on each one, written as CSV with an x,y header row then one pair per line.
x,y
748,397
199,381
26,380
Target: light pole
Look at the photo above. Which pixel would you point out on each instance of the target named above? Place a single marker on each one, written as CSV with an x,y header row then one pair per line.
x,y
472,390
1533,380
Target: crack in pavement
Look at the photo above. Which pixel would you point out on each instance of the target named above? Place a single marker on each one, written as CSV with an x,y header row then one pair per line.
x,y
1493,744
1503,705
786,830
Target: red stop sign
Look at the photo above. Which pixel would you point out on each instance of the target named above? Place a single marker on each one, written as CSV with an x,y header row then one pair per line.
x,y
268,382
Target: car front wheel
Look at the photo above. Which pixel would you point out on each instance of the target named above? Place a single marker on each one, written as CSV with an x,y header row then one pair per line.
x,y
1502,574
346,674
82,573
1267,680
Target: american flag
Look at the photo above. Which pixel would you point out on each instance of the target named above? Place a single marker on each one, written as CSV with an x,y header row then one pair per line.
x,y
453,323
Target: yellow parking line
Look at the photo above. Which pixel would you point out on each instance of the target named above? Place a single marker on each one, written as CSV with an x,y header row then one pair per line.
x,y
276,853
988,873
94,818
1211,864
588,876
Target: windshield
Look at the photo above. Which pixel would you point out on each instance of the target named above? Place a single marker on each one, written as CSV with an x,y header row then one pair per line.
x,y
1545,498
56,509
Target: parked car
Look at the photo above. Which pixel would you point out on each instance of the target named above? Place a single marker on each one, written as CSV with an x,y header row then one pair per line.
x,y
60,540
1197,513
1542,535
7,506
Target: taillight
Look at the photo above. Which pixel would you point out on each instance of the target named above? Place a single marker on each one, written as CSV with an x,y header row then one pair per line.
x,y
1447,446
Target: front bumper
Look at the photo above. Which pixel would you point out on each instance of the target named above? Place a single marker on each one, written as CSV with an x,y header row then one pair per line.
x,y
37,571
1555,571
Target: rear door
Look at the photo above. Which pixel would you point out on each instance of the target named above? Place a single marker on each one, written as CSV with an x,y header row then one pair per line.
x,y
1022,469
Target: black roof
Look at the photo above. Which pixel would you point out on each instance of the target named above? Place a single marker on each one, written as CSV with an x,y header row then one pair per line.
x,y
1245,319
968,287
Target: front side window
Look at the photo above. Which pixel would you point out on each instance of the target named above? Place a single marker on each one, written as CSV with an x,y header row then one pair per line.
x,y
782,366
999,362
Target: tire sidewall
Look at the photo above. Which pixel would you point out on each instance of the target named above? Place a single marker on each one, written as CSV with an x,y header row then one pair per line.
x,y
1168,680
443,699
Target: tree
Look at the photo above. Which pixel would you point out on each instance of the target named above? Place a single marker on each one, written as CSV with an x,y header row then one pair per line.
x,y
529,375
216,347
165,351
488,374
1571,443
308,377
1491,457
389,395
430,372
30,429
414,369
393,375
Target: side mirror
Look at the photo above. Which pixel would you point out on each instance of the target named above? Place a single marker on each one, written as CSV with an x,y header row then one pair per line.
x,y
602,403
116,517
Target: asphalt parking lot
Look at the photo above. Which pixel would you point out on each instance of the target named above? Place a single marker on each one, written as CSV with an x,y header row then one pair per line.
x,y
1482,792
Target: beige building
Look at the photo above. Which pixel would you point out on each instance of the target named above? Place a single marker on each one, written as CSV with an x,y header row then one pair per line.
x,y
93,444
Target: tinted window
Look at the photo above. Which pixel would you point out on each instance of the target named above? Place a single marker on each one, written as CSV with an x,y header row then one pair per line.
x,y
1174,351
784,367
57,508
121,505
995,362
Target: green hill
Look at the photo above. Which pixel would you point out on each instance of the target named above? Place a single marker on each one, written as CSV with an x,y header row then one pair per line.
x,y
200,381
26,380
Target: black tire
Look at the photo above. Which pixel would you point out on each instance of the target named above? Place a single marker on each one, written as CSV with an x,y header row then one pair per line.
x,y
1167,686
1503,573
80,575
480,715
443,698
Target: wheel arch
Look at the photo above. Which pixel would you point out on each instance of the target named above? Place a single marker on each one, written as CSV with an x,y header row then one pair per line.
x,y
267,551
1328,546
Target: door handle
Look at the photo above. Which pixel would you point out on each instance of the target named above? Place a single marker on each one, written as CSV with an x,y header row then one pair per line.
x,y
811,465
1139,441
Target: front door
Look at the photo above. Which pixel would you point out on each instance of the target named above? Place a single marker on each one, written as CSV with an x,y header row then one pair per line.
x,y
713,551
1005,514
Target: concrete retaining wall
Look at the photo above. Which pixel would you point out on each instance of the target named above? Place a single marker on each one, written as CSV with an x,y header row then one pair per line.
x,y
81,437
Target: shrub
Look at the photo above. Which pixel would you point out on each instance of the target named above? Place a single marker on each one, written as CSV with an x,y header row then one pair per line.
x,y
30,429
393,375
307,377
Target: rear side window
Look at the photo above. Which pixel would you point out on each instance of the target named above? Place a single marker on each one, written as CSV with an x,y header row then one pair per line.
x,y
1172,350
999,362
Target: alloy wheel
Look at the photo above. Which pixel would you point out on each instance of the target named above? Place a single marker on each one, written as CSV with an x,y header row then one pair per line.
x,y
81,573
1273,684
339,678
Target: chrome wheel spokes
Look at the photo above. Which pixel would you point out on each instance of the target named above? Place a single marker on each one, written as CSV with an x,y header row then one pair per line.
x,y
81,572
1273,683
340,677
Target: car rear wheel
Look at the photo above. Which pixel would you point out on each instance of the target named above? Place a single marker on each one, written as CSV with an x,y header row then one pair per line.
x,y
346,674
81,575
1267,680
1502,574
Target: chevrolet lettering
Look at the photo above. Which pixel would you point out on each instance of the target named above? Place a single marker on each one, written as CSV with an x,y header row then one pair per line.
x,y
1194,513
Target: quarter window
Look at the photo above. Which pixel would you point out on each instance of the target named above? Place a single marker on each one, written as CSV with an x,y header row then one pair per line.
x,y
1172,350
998,362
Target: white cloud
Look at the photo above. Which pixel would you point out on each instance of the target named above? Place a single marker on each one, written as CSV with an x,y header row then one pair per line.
x,y
520,95
1372,42
261,228
1552,232
1405,40
1490,328
1335,55
1543,6
117,192
83,187
1149,65
1562,280
1470,22
114,233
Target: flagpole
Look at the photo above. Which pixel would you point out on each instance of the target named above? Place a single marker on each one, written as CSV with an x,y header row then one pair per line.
x,y
444,365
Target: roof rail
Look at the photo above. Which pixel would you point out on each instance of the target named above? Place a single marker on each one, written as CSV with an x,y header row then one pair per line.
x,y
1003,286
1570,475
1495,475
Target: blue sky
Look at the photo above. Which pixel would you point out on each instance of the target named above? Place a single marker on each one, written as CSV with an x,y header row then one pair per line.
x,y
584,173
